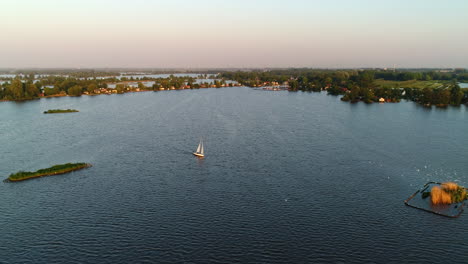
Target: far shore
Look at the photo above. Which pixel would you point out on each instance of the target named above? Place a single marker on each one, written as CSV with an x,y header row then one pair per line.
x,y
95,94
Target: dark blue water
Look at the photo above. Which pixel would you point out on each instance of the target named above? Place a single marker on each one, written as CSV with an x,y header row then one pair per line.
x,y
287,178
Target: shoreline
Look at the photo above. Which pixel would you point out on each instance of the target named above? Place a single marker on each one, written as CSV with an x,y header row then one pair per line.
x,y
96,94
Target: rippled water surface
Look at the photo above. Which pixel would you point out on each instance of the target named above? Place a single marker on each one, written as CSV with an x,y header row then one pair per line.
x,y
287,178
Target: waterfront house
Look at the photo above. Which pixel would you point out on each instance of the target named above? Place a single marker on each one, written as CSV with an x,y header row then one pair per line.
x,y
382,100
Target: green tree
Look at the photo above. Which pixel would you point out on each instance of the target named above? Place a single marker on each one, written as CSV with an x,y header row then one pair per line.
x,y
354,94
75,90
366,79
293,85
426,97
38,85
368,95
456,94
51,91
32,91
120,87
427,77
15,90
91,87
303,83
441,97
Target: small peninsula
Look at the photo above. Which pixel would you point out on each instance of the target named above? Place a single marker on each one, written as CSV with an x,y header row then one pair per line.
x,y
59,111
54,170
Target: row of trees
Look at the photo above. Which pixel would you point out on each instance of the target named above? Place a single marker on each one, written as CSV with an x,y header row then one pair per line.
x,y
441,97
33,74
357,85
354,85
254,77
369,92
19,90
427,96
26,89
421,76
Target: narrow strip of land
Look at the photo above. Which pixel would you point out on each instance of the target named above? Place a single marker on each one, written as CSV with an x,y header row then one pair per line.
x,y
54,170
59,111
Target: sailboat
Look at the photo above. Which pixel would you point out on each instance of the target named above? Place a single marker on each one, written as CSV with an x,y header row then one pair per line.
x,y
200,152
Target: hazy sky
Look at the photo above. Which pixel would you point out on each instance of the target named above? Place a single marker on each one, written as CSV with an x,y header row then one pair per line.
x,y
233,33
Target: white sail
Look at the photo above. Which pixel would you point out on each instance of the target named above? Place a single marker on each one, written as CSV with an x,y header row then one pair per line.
x,y
199,147
200,151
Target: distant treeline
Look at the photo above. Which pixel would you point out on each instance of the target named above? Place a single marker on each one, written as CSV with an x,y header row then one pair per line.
x,y
460,74
89,73
69,73
425,87
28,87
428,87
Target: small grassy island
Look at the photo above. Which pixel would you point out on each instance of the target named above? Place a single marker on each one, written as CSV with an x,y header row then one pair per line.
x,y
446,193
447,199
58,111
54,170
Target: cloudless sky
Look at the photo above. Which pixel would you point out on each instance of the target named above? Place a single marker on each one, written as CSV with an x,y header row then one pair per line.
x,y
233,33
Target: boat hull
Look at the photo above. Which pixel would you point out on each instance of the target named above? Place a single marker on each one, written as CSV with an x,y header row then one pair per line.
x,y
198,155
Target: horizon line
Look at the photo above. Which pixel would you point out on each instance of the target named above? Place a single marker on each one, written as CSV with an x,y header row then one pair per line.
x,y
225,68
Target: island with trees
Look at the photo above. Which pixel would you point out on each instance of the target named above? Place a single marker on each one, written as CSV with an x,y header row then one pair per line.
x,y
54,170
446,193
447,199
59,111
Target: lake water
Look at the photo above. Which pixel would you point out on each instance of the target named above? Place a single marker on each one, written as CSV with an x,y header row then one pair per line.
x,y
287,178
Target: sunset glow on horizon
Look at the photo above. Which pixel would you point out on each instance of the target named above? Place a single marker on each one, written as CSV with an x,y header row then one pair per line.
x,y
197,34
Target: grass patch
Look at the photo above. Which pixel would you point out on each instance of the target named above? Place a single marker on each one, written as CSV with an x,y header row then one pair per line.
x,y
54,170
414,84
58,111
